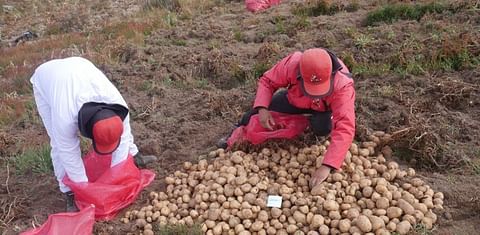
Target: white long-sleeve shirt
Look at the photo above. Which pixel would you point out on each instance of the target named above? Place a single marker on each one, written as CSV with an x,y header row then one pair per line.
x,y
61,87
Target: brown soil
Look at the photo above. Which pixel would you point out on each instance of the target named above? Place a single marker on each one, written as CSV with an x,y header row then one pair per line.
x,y
187,85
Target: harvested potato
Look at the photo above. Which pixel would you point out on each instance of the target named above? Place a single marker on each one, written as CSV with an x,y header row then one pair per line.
x,y
229,195
363,223
403,227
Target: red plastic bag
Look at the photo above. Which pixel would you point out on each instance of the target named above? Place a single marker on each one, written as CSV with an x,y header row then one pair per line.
x,y
77,223
257,5
109,189
288,127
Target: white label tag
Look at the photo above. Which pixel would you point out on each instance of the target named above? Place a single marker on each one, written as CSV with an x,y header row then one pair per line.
x,y
274,201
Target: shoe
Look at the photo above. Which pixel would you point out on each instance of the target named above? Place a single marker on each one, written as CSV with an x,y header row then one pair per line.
x,y
141,161
70,198
222,143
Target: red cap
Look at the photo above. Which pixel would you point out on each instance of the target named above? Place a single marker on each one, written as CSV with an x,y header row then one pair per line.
x,y
106,134
316,71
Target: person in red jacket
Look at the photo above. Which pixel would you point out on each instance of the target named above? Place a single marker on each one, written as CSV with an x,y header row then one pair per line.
x,y
318,84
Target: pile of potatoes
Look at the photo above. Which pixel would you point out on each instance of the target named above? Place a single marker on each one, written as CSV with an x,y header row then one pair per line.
x,y
367,196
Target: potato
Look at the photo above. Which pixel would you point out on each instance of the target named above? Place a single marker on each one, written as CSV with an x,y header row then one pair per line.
x,y
438,195
403,227
353,213
391,226
148,232
376,222
428,222
271,231
367,191
304,209
421,207
363,223
330,205
317,190
276,212
382,231
317,221
246,214
344,225
291,228
382,203
406,207
394,212
256,226
299,217
324,230
140,223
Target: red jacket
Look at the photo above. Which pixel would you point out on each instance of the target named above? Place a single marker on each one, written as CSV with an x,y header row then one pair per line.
x,y
341,101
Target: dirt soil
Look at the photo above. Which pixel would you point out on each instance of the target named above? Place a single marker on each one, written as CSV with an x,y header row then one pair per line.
x,y
188,83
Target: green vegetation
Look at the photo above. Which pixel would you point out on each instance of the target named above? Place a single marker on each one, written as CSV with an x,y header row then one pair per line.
x,y
15,110
279,22
36,160
259,69
322,7
179,42
410,54
316,8
170,5
196,229
392,13
370,69
238,35
301,22
420,229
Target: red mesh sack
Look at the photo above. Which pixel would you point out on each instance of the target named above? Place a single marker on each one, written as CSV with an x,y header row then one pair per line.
x,y
257,5
109,189
288,126
78,223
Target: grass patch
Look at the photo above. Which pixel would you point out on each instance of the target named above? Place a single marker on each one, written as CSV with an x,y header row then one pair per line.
x,y
323,7
421,229
186,9
370,69
238,35
392,13
452,51
16,110
179,42
170,5
36,160
131,31
279,22
316,8
178,229
363,40
260,68
301,22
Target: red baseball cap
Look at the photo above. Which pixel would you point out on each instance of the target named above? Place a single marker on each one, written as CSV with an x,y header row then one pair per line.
x,y
106,134
316,71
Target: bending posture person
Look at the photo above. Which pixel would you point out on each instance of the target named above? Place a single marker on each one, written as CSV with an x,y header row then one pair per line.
x,y
318,84
73,96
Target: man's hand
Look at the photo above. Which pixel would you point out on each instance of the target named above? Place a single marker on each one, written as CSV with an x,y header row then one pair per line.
x,y
319,176
266,119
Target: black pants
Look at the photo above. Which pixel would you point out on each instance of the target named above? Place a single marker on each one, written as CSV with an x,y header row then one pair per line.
x,y
320,122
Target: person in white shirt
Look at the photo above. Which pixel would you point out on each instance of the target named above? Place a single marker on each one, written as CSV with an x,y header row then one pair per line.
x,y
73,96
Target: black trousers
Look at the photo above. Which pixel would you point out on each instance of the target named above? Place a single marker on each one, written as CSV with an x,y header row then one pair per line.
x,y
320,122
